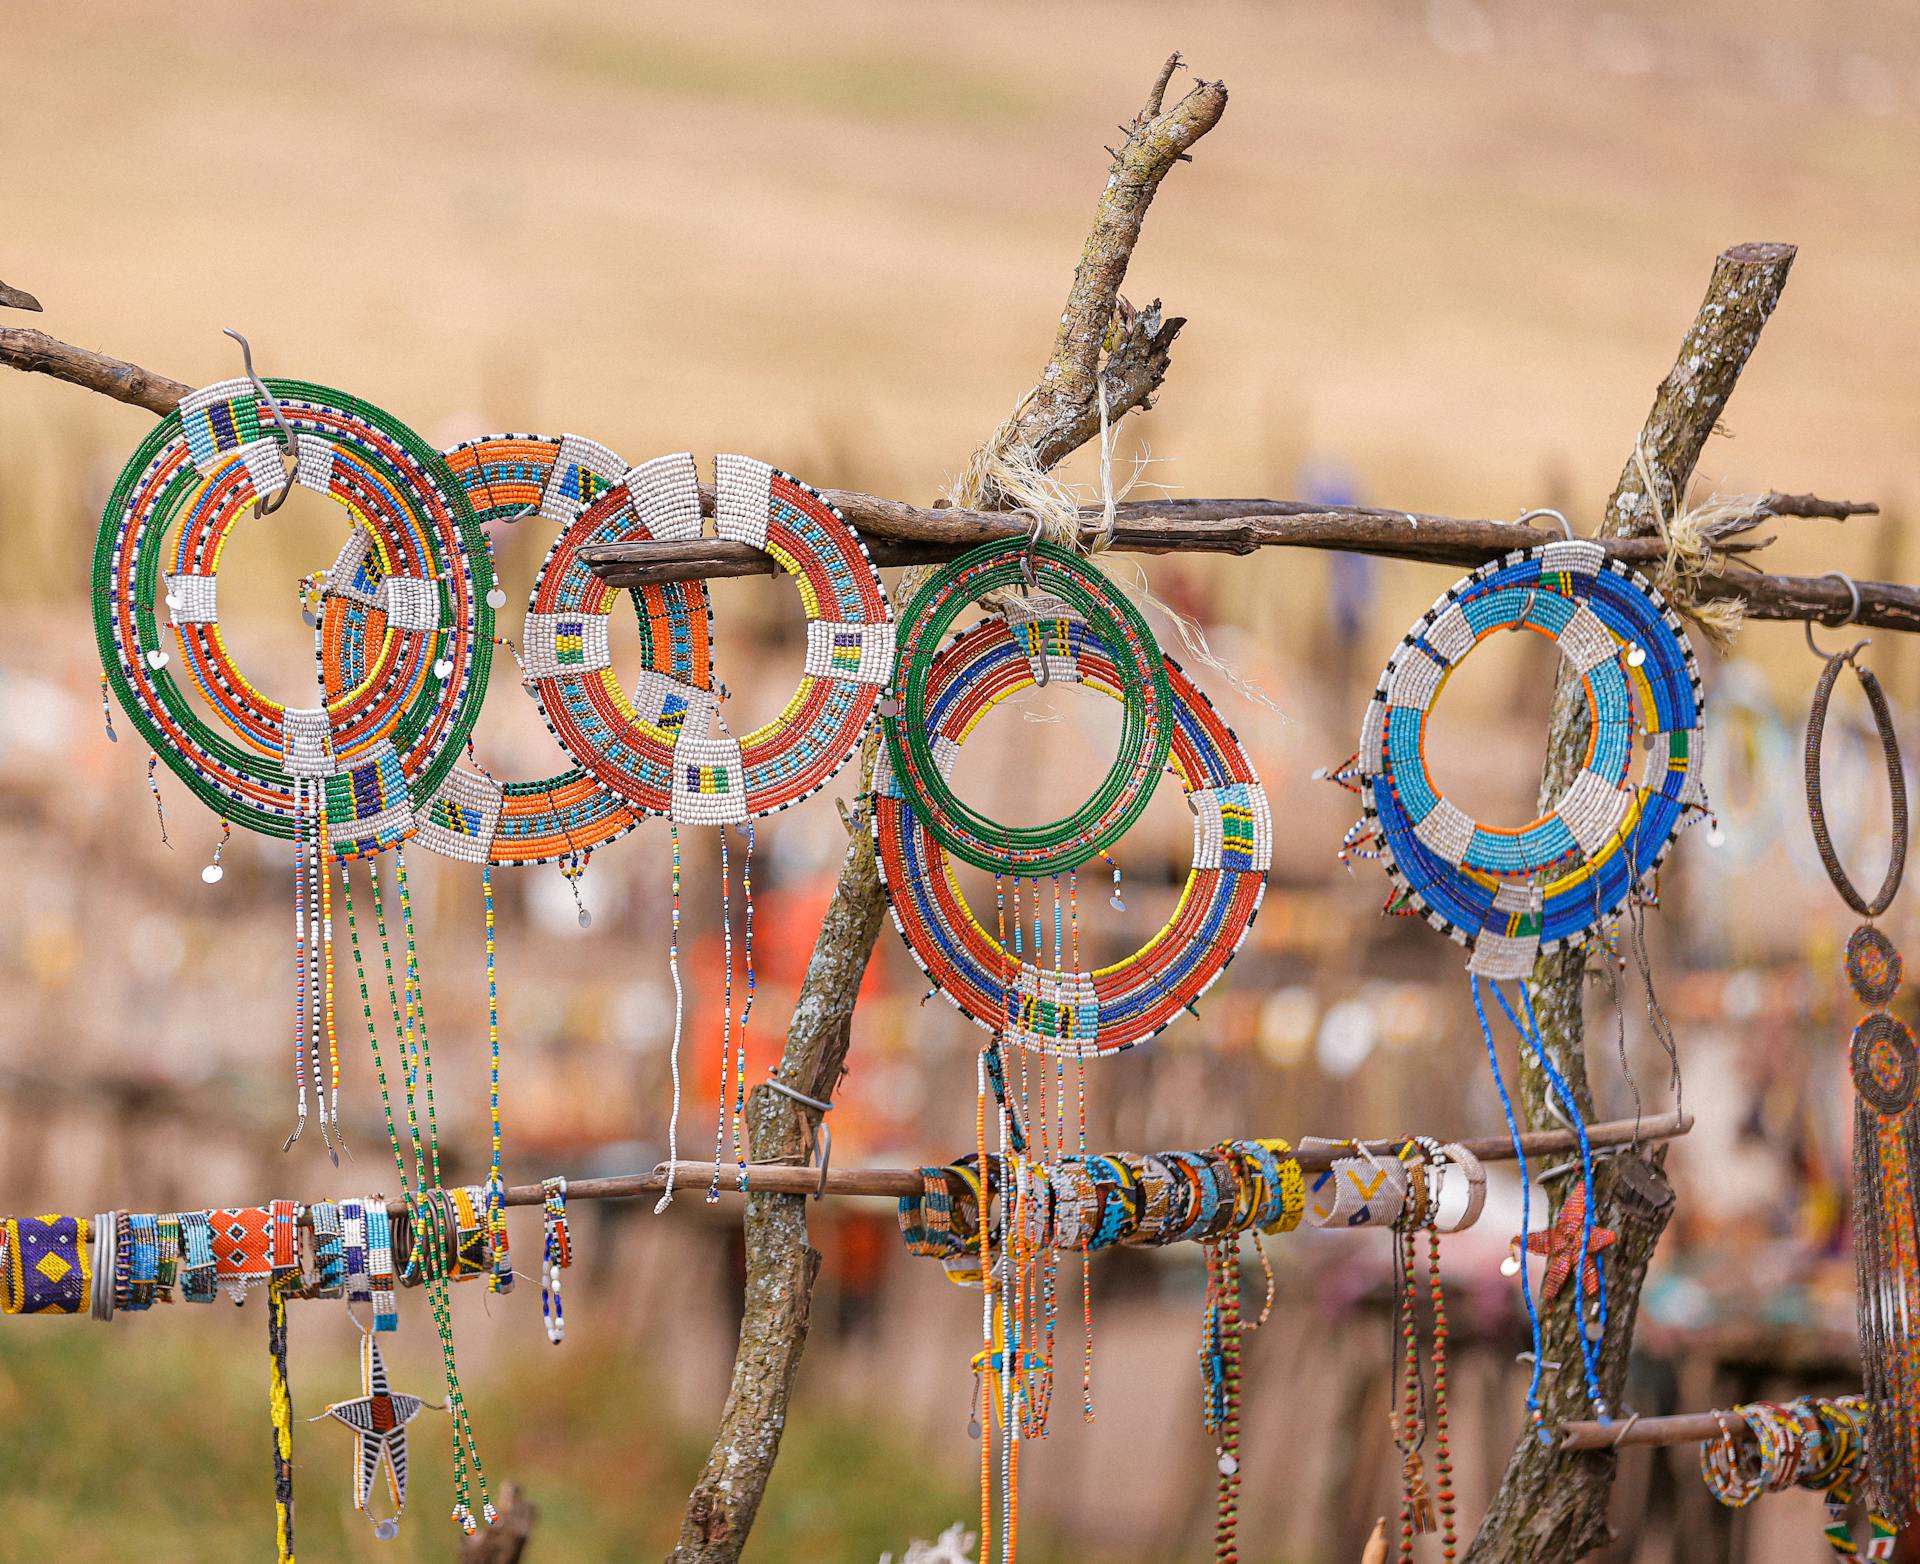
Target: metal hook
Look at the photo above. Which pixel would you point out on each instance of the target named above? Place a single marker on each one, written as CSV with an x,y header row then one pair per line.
x,y
1546,510
264,506
1043,676
1853,613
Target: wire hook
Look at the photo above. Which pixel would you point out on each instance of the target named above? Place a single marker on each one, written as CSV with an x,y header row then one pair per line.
x,y
264,506
1545,510
1853,613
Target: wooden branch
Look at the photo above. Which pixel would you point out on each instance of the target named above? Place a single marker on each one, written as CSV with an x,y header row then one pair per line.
x,y
901,534
767,1178
1062,411
1551,1505
1684,1428
39,354
1048,423
17,298
506,1539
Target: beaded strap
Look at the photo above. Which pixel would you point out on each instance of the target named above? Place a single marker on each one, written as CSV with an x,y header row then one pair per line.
x,y
1896,785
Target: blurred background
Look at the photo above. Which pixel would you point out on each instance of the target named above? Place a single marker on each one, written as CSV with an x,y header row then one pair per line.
x,y
1436,256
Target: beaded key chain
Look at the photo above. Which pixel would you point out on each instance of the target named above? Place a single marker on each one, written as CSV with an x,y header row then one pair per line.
x,y
1886,1121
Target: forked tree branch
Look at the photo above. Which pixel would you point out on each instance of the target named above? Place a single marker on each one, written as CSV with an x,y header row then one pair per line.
x,y
1061,411
1551,1505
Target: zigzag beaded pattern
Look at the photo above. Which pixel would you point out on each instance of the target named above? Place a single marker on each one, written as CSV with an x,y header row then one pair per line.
x,y
1509,895
394,729
1116,1007
658,749
473,817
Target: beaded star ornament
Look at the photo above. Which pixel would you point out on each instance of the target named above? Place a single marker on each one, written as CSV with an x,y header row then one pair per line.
x,y
1510,896
665,747
342,776
1886,1122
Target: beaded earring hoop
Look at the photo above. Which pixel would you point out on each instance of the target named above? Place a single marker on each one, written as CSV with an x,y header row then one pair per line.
x,y
1083,604
1057,1012
1506,895
657,749
471,816
395,730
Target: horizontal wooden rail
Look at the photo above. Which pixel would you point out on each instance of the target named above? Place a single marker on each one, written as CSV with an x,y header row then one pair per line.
x,y
901,534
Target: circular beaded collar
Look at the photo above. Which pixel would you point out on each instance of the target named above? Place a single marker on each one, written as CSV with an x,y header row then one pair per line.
x,y
1070,1012
394,729
658,749
1505,894
472,816
1142,683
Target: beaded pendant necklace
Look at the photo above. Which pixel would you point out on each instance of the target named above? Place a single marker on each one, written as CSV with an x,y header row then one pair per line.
x,y
1066,612
664,748
1510,896
1886,1121
340,777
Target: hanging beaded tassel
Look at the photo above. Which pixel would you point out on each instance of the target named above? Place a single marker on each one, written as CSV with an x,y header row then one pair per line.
x,y
746,1014
280,1402
1593,1336
214,873
679,1009
1220,1369
300,971
153,787
502,1278
726,1022
1886,1127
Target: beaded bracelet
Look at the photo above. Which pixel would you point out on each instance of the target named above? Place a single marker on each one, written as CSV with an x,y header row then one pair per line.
x,y
1896,783
329,1250
1456,1155
283,1241
380,1285
1292,1188
169,1237
143,1265
49,1265
100,1284
353,1250
123,1261
199,1276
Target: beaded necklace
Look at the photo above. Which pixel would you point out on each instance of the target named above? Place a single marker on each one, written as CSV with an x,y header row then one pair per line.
x,y
341,777
1886,1122
1510,896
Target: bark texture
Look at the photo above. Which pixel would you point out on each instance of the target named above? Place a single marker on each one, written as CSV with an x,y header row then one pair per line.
x,y
1551,1507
